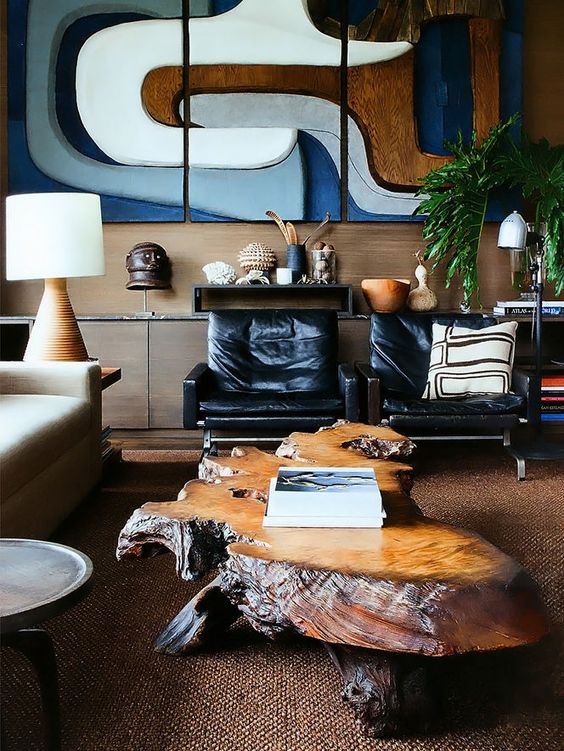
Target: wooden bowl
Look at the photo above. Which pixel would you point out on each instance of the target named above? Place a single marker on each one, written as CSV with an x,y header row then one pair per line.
x,y
385,295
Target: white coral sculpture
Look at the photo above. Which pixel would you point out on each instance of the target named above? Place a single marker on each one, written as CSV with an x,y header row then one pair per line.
x,y
219,272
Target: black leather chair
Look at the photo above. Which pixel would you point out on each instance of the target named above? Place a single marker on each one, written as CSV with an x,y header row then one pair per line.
x,y
270,371
392,383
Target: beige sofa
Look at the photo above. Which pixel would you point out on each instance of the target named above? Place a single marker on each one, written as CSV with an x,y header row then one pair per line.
x,y
50,457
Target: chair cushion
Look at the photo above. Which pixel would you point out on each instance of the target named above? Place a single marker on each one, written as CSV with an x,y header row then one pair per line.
x,y
35,430
400,347
268,403
465,362
273,350
483,404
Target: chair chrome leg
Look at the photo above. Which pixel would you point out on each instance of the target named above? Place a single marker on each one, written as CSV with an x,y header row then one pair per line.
x,y
511,451
207,443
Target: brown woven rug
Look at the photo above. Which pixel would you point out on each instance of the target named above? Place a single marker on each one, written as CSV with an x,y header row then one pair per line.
x,y
250,694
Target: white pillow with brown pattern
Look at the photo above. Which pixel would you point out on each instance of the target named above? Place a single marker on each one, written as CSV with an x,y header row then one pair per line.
x,y
465,362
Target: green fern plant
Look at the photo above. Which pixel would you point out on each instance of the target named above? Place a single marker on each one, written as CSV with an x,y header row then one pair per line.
x,y
456,201
538,168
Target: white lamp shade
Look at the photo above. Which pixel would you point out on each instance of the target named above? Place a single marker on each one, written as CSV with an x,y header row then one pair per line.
x,y
513,232
54,235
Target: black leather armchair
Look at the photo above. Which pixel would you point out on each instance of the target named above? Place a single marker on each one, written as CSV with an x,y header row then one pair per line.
x,y
392,383
270,371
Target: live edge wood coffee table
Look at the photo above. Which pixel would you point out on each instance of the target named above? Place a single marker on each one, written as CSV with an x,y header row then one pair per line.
x,y
379,599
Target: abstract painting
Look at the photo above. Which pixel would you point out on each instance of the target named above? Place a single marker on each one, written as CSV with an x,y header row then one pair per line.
x,y
298,106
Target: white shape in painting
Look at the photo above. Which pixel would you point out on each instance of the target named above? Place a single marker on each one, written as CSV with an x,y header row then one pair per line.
x,y
239,148
277,32
111,107
111,67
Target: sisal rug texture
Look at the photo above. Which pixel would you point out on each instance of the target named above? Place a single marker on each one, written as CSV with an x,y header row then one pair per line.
x,y
248,694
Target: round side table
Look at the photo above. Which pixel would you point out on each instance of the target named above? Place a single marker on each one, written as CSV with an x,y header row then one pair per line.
x,y
39,580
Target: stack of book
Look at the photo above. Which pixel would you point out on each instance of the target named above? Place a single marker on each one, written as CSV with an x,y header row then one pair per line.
x,y
324,497
526,308
552,397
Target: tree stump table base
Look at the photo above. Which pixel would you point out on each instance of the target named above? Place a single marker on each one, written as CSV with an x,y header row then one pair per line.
x,y
378,598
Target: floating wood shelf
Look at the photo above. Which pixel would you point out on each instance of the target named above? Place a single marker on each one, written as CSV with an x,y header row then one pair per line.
x,y
206,297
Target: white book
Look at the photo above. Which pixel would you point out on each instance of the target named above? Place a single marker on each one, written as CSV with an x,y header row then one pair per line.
x,y
529,303
324,497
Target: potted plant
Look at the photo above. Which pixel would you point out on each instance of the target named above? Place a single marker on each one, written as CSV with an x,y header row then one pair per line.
x,y
457,194
538,169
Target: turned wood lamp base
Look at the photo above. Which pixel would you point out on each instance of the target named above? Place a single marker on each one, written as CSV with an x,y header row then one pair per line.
x,y
55,334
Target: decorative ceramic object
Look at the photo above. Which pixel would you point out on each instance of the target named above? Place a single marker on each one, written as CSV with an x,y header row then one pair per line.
x,y
385,295
296,260
254,277
421,298
256,257
219,272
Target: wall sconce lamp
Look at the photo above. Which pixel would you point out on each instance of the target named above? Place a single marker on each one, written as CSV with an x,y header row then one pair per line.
x,y
54,236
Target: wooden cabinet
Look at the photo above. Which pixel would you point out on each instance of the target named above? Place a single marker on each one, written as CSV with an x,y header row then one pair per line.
x,y
174,348
123,344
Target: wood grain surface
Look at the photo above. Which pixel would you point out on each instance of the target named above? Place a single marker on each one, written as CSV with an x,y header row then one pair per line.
x,y
415,585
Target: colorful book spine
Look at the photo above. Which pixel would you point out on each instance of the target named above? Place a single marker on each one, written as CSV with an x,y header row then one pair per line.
x,y
557,381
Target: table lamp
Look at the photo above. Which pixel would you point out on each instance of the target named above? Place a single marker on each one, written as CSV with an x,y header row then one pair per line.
x,y
54,236
514,235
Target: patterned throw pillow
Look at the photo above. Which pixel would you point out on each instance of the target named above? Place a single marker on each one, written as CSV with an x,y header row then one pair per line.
x,y
470,361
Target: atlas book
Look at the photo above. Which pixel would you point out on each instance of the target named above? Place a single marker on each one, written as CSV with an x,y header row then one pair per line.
x,y
527,307
324,497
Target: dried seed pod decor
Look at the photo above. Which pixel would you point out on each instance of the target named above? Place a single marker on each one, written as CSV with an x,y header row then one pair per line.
x,y
256,257
422,298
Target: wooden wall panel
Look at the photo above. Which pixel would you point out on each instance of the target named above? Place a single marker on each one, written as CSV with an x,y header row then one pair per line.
x,y
122,344
174,348
543,69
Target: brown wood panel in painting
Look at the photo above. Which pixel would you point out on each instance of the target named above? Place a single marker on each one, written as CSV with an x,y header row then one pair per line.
x,y
162,87
161,93
123,344
485,45
391,141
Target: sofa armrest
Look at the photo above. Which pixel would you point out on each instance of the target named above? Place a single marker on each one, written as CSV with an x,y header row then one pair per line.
x,y
82,380
348,388
192,388
522,381
370,394
79,379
